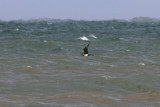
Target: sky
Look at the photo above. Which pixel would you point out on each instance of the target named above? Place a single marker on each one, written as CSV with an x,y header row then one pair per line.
x,y
78,9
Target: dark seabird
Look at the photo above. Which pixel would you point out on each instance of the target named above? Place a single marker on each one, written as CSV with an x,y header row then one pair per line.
x,y
86,51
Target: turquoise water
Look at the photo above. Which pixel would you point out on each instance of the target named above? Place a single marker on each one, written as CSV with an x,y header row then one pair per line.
x,y
41,64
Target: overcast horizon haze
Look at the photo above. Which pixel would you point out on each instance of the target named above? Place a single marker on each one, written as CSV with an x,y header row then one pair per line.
x,y
78,9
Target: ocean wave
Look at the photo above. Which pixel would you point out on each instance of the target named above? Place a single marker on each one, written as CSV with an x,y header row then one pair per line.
x,y
93,36
107,77
84,38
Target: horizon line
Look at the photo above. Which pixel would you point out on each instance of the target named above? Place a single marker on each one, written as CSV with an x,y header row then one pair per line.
x,y
69,19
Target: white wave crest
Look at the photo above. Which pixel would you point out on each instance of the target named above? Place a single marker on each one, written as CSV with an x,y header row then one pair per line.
x,y
45,41
84,38
142,64
107,77
91,35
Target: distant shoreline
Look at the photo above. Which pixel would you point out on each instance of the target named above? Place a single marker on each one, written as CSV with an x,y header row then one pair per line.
x,y
135,19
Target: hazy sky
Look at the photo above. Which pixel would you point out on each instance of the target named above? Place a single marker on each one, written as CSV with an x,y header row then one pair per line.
x,y
78,9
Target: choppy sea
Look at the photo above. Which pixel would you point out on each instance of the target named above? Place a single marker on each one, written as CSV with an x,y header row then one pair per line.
x,y
41,63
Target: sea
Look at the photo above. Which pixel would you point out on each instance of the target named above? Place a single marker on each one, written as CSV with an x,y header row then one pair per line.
x,y
41,63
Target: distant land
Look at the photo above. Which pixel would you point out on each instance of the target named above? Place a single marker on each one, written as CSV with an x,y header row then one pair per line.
x,y
136,19
144,19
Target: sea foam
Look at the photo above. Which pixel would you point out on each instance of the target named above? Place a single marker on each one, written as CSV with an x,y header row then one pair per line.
x,y
93,36
84,38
